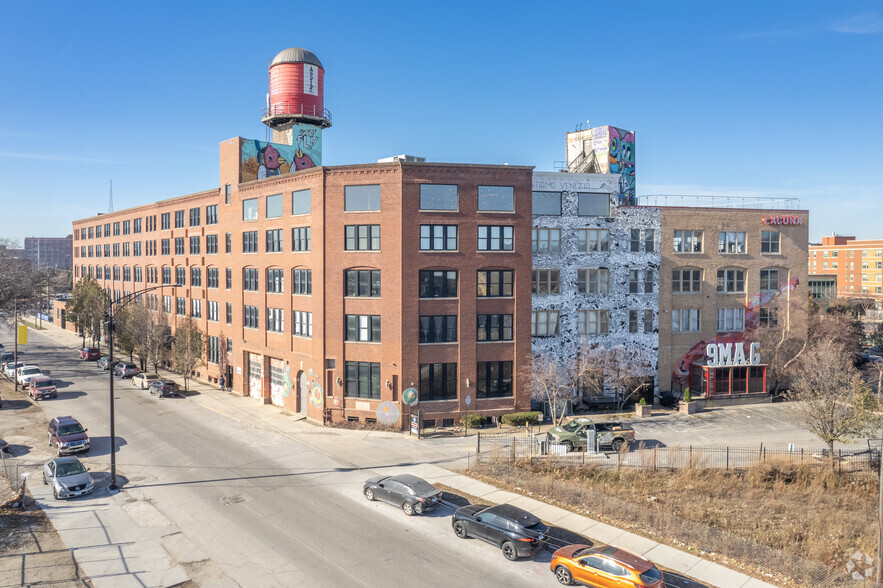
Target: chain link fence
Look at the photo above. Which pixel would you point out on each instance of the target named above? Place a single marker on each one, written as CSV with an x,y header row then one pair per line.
x,y
507,458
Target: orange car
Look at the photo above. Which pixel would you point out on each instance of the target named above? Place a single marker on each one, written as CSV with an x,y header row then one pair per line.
x,y
604,566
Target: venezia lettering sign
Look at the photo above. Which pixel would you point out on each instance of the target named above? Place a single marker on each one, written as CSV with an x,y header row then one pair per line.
x,y
727,354
782,220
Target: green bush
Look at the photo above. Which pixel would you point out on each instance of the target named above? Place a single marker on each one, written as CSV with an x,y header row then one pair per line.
x,y
472,420
518,419
687,396
642,401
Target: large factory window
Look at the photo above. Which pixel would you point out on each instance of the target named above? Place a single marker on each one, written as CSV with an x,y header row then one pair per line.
x,y
438,197
300,202
592,204
547,203
361,198
250,209
496,198
274,206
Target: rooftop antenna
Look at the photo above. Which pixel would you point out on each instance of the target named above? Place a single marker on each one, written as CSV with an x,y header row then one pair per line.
x,y
110,203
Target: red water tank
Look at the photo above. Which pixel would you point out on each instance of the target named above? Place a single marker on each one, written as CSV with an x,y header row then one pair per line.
x,y
297,84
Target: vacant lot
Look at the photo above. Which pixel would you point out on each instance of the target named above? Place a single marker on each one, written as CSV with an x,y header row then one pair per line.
x,y
769,519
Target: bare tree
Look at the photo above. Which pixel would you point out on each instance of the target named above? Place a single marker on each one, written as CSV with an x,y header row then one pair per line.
x,y
188,348
624,372
831,401
88,309
553,381
20,281
150,331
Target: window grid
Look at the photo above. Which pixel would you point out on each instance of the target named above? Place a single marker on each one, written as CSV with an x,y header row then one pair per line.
x,y
438,329
544,323
495,283
494,327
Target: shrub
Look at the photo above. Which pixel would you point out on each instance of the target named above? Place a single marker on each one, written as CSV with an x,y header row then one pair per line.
x,y
518,419
687,397
472,420
642,401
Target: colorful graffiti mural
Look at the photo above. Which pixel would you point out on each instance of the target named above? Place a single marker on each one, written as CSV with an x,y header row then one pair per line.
x,y
621,157
681,371
259,159
610,150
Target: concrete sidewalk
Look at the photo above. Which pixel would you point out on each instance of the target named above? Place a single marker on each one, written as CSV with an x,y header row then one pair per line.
x,y
121,529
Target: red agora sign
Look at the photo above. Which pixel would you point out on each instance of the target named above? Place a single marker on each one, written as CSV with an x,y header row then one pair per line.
x,y
782,220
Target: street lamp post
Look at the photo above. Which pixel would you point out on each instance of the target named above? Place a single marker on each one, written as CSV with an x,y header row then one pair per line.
x,y
111,315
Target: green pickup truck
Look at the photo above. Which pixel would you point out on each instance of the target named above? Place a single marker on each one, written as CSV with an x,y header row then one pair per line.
x,y
573,434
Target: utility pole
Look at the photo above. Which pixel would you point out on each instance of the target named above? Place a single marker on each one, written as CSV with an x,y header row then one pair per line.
x,y
15,339
879,582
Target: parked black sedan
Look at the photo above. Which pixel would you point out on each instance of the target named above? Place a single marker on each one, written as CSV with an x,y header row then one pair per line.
x,y
412,494
517,532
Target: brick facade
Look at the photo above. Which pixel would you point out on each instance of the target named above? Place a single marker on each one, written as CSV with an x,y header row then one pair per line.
x,y
310,385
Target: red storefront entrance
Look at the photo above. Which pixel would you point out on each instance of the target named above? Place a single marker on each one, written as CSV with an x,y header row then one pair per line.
x,y
723,381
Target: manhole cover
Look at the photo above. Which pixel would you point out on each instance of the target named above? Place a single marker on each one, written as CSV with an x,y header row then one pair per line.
x,y
235,499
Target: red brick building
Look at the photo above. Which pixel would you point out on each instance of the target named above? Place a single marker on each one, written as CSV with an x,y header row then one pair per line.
x,y
857,265
340,287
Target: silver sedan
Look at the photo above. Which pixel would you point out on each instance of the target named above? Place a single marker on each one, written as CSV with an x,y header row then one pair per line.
x,y
143,381
68,477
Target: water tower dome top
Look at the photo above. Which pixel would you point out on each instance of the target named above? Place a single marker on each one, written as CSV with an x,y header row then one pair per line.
x,y
296,55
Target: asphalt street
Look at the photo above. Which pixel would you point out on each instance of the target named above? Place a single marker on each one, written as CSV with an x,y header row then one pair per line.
x,y
258,507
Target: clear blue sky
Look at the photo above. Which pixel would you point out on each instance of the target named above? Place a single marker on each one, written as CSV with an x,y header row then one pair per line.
x,y
776,99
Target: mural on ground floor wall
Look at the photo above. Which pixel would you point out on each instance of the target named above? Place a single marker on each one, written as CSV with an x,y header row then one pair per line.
x,y
681,371
316,392
259,159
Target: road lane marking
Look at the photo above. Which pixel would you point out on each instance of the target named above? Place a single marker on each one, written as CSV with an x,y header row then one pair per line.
x,y
221,413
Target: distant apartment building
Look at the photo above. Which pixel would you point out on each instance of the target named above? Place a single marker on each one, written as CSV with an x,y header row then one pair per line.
x,y
54,252
334,290
726,272
595,276
856,264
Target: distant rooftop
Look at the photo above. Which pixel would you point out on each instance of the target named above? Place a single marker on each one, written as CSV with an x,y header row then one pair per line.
x,y
711,201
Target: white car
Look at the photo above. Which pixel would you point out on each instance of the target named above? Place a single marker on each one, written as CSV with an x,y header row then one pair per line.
x,y
144,380
24,374
10,367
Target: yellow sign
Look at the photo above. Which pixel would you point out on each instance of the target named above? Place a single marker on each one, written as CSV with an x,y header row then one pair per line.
x,y
22,334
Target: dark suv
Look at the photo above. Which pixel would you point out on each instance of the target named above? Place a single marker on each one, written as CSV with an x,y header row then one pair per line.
x,y
67,435
517,532
164,388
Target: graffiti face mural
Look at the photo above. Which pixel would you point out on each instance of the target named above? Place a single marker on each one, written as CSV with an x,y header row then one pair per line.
x,y
259,159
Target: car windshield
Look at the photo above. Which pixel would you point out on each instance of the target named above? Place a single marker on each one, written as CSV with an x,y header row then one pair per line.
x,y
581,552
69,469
650,576
571,426
30,371
149,376
70,429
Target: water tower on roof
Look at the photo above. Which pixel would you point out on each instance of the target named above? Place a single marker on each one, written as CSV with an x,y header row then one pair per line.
x,y
296,100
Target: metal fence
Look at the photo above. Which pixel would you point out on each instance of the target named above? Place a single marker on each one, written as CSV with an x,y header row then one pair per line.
x,y
499,456
507,448
776,566
14,471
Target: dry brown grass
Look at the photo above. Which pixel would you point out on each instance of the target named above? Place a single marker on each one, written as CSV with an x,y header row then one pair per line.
x,y
805,510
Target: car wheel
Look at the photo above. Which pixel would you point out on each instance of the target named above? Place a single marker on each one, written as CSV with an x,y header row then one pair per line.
x,y
568,446
369,494
460,530
617,444
562,574
408,508
509,551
